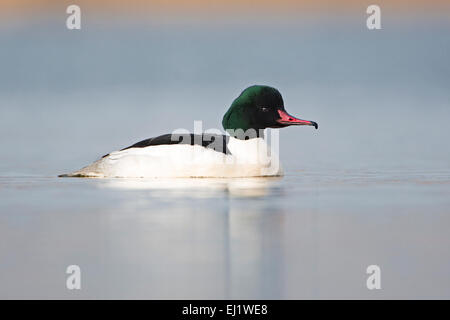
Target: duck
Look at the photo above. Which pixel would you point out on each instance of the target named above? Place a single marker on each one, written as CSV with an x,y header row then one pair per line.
x,y
241,152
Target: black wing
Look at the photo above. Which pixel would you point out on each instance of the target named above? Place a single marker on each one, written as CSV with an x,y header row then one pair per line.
x,y
216,142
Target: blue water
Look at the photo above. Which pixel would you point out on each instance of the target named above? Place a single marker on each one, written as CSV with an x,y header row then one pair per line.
x,y
371,186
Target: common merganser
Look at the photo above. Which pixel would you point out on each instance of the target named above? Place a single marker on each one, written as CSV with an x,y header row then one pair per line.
x,y
243,152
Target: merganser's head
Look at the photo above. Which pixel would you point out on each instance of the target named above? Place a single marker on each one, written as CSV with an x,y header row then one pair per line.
x,y
259,107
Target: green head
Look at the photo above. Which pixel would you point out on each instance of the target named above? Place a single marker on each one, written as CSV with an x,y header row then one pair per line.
x,y
259,107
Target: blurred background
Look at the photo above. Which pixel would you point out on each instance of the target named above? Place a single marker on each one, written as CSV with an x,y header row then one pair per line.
x,y
370,186
143,68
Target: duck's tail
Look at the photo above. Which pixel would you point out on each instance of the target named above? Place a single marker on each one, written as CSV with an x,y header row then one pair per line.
x,y
86,172
81,175
74,175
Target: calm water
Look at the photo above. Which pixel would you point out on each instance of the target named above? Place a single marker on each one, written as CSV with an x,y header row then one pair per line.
x,y
371,186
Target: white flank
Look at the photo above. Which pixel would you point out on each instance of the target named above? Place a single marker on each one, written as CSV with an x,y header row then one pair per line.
x,y
249,158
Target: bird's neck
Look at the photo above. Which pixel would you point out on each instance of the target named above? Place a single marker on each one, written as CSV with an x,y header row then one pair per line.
x,y
246,134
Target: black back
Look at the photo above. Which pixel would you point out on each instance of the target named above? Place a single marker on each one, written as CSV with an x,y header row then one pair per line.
x,y
215,142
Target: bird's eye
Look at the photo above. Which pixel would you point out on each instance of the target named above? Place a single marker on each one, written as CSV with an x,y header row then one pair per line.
x,y
264,109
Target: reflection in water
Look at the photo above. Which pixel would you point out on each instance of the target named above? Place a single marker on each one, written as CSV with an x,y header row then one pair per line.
x,y
301,240
233,252
256,255
198,188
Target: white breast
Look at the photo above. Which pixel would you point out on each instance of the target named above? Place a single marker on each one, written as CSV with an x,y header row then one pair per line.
x,y
249,158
